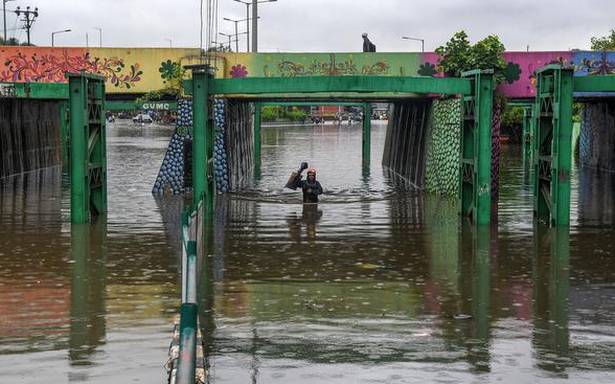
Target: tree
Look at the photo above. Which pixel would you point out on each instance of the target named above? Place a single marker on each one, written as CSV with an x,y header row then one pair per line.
x,y
489,54
11,41
455,55
458,55
604,43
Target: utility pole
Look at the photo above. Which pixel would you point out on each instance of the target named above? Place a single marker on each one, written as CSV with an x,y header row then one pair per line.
x,y
254,26
4,13
229,39
236,32
99,35
248,3
29,17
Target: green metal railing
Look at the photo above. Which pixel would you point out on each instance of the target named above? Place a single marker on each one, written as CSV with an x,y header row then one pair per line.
x,y
188,324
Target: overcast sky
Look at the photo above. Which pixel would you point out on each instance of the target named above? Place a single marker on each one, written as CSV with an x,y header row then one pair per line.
x,y
324,25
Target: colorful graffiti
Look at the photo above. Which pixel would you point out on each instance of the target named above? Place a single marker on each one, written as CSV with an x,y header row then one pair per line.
x,y
139,70
52,68
594,63
125,70
319,64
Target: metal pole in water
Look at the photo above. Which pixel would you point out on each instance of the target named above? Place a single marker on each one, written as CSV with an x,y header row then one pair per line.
x,y
186,366
367,134
257,137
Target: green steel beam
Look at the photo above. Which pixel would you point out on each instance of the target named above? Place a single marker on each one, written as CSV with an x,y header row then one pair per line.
x,y
475,166
310,104
552,145
338,84
361,84
367,135
50,91
88,147
594,84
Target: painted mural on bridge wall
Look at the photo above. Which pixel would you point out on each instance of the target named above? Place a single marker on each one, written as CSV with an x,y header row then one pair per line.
x,y
139,70
320,64
126,70
520,72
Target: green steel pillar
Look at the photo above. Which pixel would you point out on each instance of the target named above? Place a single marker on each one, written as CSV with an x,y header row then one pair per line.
x,y
88,157
552,155
202,143
367,134
475,167
257,137
526,137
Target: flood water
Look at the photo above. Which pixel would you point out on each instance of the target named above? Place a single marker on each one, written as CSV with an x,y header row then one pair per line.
x,y
377,284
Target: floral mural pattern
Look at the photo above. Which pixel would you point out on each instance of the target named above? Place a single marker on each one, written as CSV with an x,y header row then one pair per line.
x,y
238,71
49,68
332,67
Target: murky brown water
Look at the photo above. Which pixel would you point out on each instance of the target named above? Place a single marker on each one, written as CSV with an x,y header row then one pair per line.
x,y
377,284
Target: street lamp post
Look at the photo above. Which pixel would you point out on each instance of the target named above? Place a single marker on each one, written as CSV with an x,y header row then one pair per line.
x,y
55,33
236,32
99,35
416,39
229,39
4,12
170,42
248,3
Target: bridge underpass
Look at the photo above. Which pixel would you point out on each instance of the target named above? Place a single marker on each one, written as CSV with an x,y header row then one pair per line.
x,y
483,242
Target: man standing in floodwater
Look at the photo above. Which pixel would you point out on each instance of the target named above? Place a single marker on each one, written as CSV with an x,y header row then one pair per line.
x,y
311,187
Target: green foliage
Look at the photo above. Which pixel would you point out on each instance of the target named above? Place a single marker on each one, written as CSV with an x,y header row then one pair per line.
x,y
12,41
577,110
458,55
271,113
512,117
455,55
489,54
296,115
604,43
161,94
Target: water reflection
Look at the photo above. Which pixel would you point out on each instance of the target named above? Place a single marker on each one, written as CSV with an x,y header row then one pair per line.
x,y
596,197
550,336
310,216
383,286
88,308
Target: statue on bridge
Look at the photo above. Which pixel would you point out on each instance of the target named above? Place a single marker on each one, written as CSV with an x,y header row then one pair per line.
x,y
368,46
